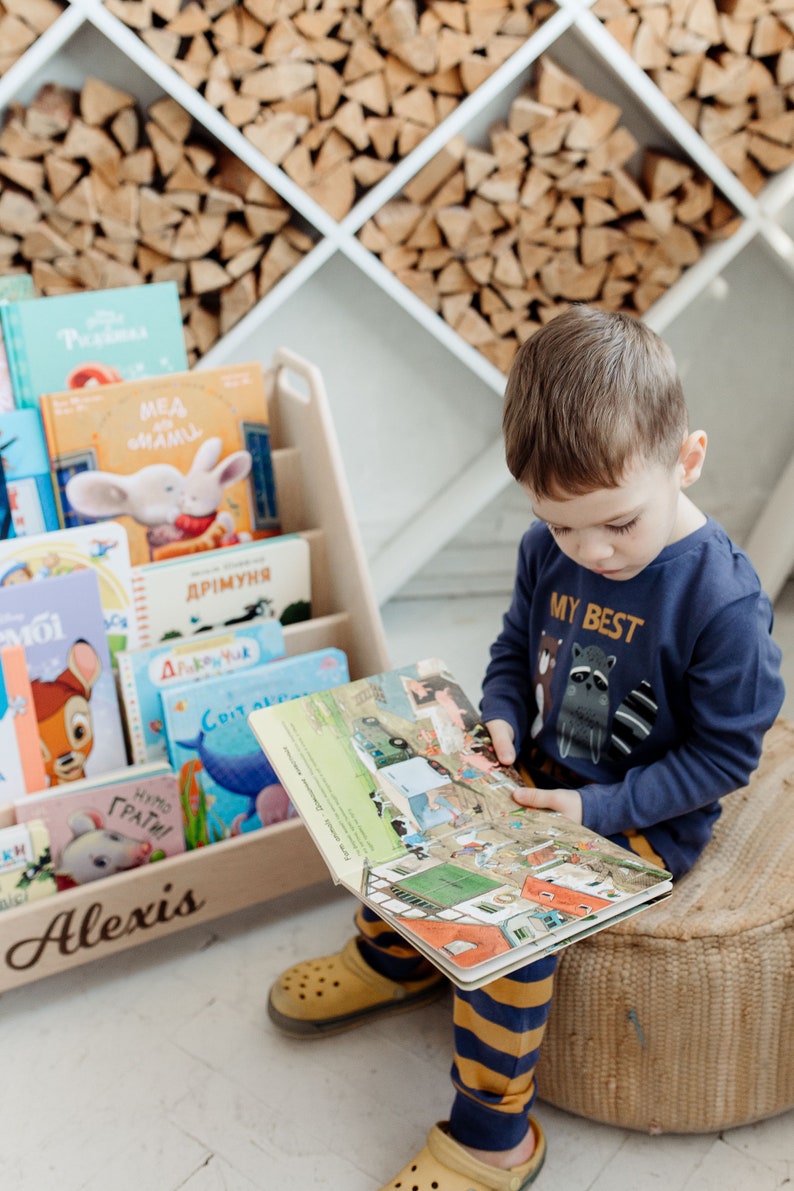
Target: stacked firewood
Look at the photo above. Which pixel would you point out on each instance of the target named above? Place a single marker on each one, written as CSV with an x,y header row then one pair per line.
x,y
727,65
95,195
21,22
499,240
334,91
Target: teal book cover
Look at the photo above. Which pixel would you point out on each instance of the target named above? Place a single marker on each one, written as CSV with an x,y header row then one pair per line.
x,y
227,784
96,337
27,497
144,674
16,287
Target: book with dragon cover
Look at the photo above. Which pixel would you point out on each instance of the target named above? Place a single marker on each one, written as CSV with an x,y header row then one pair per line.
x,y
396,779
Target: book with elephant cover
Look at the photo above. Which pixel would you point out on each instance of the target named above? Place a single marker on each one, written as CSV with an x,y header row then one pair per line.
x,y
94,337
106,825
226,783
183,461
61,626
396,780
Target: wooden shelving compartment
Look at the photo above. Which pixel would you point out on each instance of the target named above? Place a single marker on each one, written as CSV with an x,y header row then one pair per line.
x,y
107,916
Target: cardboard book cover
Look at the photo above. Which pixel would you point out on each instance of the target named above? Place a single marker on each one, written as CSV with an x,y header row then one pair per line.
x,y
27,500
101,547
109,824
92,338
21,765
26,870
396,779
145,673
183,461
61,626
203,593
15,287
226,782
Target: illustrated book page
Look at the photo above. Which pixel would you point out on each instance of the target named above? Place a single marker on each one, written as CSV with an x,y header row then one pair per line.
x,y
227,784
27,500
26,871
182,460
145,673
90,338
397,782
223,589
107,825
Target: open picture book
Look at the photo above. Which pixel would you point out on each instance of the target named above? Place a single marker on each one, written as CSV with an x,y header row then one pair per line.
x,y
396,780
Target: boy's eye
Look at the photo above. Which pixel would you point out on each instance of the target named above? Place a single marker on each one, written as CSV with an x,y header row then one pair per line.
x,y
558,530
624,528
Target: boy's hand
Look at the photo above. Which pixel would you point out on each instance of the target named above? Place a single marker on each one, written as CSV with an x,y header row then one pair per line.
x,y
566,802
502,740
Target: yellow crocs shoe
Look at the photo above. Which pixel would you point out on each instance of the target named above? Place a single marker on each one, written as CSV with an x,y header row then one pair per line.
x,y
339,992
443,1165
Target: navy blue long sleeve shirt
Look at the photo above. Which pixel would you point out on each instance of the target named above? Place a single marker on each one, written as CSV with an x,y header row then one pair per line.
x,y
656,691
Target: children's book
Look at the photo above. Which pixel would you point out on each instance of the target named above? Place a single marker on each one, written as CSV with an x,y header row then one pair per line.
x,y
227,784
145,673
101,547
26,872
21,765
110,824
27,502
223,589
61,626
183,460
91,338
396,779
17,287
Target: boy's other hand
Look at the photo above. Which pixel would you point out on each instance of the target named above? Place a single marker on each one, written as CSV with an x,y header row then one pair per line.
x,y
502,739
566,802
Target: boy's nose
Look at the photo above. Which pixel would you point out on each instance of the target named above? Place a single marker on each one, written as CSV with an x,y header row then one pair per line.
x,y
595,548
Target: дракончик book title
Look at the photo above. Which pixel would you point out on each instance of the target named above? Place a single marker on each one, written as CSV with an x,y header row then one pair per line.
x,y
397,782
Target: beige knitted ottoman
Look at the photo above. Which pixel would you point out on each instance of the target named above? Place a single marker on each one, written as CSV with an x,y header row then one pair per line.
x,y
681,1019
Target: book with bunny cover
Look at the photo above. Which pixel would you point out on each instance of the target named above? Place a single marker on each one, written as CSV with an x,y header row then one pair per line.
x,y
226,782
182,461
106,825
61,626
21,766
90,338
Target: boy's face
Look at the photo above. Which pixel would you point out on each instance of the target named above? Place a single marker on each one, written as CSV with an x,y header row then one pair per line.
x,y
617,532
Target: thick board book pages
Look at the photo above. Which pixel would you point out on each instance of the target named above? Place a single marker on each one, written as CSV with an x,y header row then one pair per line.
x,y
182,460
145,673
109,824
17,287
92,338
221,589
21,766
397,782
227,784
27,501
61,626
101,547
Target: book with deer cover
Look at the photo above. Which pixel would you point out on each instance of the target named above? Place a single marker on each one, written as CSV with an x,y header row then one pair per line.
x,y
21,765
145,673
101,547
91,338
182,461
396,779
61,626
223,589
109,824
226,783
15,287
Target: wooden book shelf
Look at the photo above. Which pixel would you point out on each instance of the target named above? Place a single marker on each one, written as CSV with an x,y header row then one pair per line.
x,y
106,916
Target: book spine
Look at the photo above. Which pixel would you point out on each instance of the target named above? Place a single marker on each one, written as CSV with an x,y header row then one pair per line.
x,y
132,709
26,728
141,605
14,342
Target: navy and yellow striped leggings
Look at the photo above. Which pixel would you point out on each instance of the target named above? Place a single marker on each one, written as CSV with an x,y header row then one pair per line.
x,y
498,1030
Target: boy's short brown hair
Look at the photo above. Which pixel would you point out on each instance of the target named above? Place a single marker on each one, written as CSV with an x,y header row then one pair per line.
x,y
588,394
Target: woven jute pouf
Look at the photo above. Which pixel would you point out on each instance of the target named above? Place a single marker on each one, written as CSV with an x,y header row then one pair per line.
x,y
681,1019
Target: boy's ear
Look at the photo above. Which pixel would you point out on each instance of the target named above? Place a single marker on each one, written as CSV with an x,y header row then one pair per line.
x,y
692,456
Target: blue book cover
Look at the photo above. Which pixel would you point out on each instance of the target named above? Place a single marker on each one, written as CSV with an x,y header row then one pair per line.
x,y
60,624
144,674
16,287
74,341
227,784
27,499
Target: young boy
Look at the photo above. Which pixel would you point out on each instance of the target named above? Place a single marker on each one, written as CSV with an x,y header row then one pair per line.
x,y
633,680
